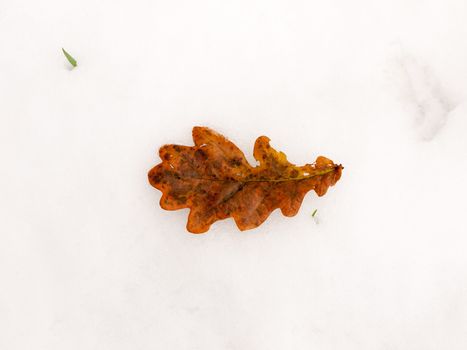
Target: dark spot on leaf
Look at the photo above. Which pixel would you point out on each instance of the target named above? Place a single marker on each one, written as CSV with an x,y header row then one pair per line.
x,y
200,155
234,162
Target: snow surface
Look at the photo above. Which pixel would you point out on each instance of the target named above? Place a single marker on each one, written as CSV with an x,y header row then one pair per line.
x,y
88,260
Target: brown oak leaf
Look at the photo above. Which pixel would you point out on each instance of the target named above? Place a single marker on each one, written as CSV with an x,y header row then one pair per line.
x,y
215,181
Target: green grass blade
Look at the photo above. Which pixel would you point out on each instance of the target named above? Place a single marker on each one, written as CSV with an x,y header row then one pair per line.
x,y
70,58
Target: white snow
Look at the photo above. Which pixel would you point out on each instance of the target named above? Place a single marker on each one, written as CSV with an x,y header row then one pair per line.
x,y
88,259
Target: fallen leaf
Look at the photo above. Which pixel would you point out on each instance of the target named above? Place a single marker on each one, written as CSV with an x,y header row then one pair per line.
x,y
215,181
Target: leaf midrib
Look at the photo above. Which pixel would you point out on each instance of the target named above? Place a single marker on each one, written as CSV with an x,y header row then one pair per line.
x,y
315,174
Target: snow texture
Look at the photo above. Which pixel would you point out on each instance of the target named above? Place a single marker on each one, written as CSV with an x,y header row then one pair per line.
x,y
88,259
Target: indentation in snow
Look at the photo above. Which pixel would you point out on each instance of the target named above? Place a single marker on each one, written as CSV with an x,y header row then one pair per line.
x,y
424,95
